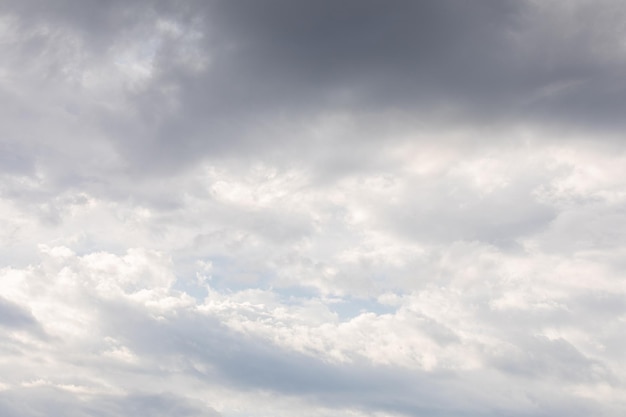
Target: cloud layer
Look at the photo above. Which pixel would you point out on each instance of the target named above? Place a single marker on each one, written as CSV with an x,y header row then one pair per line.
x,y
270,208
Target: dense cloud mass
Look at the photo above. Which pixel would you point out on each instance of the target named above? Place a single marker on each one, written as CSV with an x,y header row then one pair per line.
x,y
315,208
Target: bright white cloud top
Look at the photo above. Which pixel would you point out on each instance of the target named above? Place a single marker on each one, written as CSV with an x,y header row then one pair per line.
x,y
312,208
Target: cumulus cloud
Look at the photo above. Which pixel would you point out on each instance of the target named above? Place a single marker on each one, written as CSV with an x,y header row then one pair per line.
x,y
118,326
269,208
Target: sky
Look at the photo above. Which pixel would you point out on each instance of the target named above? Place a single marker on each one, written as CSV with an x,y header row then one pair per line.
x,y
277,208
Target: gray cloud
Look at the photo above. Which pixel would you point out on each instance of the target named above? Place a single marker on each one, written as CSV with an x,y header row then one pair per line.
x,y
15,317
36,401
212,352
273,67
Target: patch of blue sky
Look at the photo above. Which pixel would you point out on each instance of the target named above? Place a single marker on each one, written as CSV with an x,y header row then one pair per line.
x,y
350,307
227,275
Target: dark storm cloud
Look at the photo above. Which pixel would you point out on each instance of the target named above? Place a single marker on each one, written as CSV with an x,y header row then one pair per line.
x,y
276,66
388,53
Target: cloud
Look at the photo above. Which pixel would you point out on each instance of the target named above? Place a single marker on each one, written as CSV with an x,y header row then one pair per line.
x,y
347,208
12,315
119,324
252,77
42,398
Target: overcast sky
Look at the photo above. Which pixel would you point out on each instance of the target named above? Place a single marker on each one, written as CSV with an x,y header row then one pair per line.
x,y
278,208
